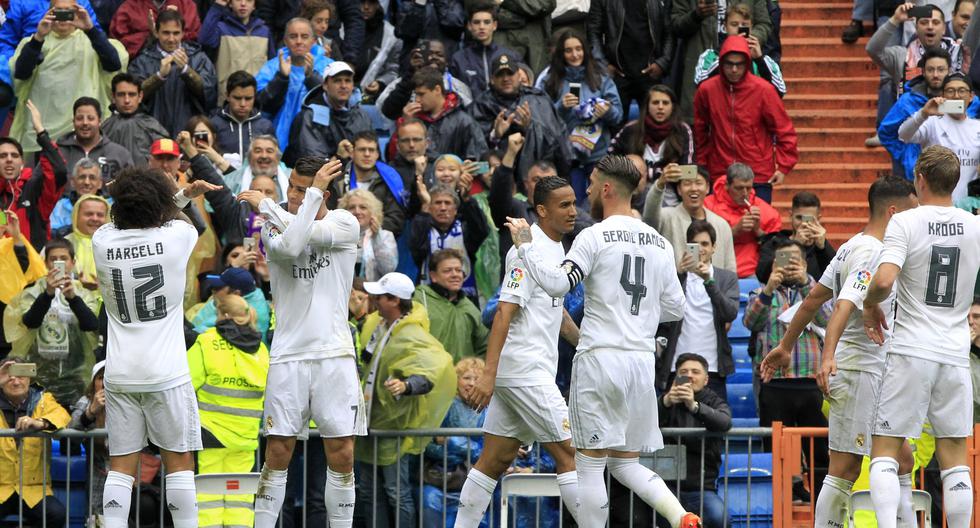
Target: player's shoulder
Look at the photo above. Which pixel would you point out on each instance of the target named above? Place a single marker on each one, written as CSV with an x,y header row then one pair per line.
x,y
342,217
104,232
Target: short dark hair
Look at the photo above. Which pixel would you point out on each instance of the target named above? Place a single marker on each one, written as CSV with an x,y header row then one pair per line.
x,y
935,53
404,305
805,199
443,255
366,135
308,166
142,198
701,226
6,140
481,6
87,101
546,186
940,167
59,243
886,190
687,356
782,241
309,8
124,77
358,285
934,7
957,76
543,165
427,77
169,15
240,79
976,299
621,169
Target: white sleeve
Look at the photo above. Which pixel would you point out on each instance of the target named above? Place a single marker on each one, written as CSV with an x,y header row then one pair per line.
x,y
861,267
915,130
286,240
516,286
896,243
339,228
672,298
559,281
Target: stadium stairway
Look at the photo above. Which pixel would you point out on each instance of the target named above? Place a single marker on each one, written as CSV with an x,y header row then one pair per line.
x,y
832,96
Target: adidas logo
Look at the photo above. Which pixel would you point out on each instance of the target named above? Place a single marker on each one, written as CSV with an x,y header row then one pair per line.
x,y
605,506
885,426
960,486
890,470
834,524
171,507
594,439
113,504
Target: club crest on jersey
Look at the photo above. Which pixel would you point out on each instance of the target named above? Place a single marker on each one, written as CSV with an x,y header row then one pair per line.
x,y
859,441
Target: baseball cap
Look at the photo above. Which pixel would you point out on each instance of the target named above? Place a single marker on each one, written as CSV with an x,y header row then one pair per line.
x,y
163,147
235,278
503,62
336,68
394,283
96,368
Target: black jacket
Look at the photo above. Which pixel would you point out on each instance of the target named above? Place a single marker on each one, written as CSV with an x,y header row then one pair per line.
x,y
605,30
724,295
173,101
714,415
817,260
456,132
234,136
436,19
471,64
318,129
227,217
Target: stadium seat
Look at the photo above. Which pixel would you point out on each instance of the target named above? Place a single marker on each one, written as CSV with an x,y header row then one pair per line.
x,y
634,112
745,422
60,471
745,287
742,400
738,330
737,465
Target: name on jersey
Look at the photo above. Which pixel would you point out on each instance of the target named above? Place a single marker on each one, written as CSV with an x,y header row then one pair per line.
x,y
643,239
943,229
316,263
134,252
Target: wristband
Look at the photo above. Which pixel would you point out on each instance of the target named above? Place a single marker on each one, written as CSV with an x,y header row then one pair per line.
x,y
181,199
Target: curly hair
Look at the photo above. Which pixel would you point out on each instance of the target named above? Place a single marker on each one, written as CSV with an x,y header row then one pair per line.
x,y
370,200
142,198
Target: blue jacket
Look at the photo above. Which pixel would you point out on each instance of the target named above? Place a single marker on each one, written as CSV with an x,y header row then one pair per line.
x,y
607,91
22,19
471,64
281,98
222,22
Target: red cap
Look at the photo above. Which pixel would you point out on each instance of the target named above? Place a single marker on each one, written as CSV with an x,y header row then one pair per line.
x,y
165,146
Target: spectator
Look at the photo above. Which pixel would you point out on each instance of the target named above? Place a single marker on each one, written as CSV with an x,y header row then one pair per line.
x,y
377,252
63,61
87,414
962,13
235,40
738,22
507,107
696,404
377,65
412,157
739,100
955,130
525,27
440,20
450,129
226,217
471,63
135,20
587,102
319,13
447,221
618,29
673,222
804,216
329,116
712,304
428,53
749,217
178,78
698,26
263,160
87,141
89,214
25,476
85,179
974,320
453,318
971,203
203,134
660,137
52,323
408,384
359,305
129,125
285,80
31,194
238,120
228,366
238,282
387,185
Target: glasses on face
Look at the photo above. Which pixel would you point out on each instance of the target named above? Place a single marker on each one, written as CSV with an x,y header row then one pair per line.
x,y
956,92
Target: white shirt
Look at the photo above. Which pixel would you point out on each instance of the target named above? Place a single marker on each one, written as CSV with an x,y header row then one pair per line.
x,y
142,276
938,251
961,136
630,281
848,276
311,266
530,353
698,334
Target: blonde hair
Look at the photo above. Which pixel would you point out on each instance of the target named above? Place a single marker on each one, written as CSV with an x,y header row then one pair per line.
x,y
236,308
372,202
468,365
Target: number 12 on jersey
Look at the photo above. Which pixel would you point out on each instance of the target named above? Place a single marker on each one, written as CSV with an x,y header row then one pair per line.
x,y
146,309
632,282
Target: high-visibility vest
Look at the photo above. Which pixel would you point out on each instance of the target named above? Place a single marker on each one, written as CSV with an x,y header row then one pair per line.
x,y
230,387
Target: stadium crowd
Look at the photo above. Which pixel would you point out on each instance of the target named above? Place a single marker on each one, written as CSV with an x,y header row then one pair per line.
x,y
446,115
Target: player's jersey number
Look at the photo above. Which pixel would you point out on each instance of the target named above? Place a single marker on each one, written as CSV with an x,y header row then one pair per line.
x,y
943,267
147,309
631,279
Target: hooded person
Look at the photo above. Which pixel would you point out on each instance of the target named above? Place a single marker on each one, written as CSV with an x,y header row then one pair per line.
x,y
86,218
233,282
228,366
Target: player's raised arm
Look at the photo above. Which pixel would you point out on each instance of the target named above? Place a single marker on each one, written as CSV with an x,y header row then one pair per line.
x,y
556,281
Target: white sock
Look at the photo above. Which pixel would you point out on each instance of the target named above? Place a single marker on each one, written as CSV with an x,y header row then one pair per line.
x,y
182,499
649,486
831,509
957,496
474,499
116,497
593,504
568,485
269,498
338,495
906,513
885,490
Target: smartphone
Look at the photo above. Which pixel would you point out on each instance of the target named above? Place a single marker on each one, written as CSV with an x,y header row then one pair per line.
x,y
921,12
3,217
64,15
808,218
951,107
59,266
783,258
200,137
689,172
681,379
249,244
23,370
575,89
695,251
481,167
744,31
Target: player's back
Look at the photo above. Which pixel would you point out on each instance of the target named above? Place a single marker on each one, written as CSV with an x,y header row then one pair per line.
x,y
631,284
938,249
142,277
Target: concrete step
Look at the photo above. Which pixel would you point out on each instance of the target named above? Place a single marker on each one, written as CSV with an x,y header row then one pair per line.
x,y
844,156
830,67
812,28
833,119
828,192
822,47
833,137
858,101
798,84
816,11
838,228
806,173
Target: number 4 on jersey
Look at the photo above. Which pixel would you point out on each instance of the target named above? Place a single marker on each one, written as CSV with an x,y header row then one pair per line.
x,y
634,287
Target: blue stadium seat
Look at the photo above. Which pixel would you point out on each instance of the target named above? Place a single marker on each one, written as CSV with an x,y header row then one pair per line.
x,y
77,507
741,375
738,329
59,468
634,112
383,144
745,287
741,513
745,422
737,466
381,123
742,400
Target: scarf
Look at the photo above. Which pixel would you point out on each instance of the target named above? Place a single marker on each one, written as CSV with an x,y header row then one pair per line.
x,y
391,178
655,133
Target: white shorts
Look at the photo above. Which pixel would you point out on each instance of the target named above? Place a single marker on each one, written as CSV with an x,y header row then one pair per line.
x,y
168,418
914,390
613,404
529,414
326,390
853,394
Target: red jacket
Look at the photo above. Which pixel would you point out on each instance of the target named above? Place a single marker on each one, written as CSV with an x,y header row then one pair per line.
x,y
131,24
746,244
741,122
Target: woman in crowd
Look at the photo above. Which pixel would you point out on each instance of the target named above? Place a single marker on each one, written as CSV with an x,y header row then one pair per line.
x,y
89,413
586,100
204,134
377,252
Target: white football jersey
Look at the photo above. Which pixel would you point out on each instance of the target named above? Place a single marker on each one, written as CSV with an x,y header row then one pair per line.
x,y
938,249
631,283
142,276
848,275
530,353
311,267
